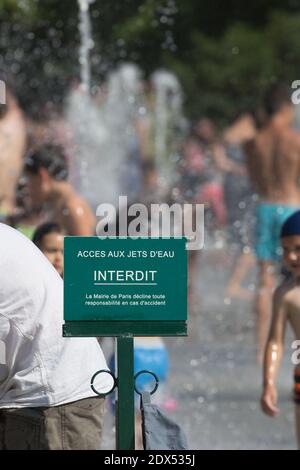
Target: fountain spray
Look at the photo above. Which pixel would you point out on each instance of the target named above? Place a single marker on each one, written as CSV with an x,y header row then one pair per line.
x,y
86,43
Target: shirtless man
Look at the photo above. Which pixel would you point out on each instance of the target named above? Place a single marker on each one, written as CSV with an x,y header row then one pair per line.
x,y
47,172
273,159
286,308
12,147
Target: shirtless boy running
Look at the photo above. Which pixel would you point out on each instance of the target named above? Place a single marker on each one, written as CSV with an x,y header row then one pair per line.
x,y
286,308
273,158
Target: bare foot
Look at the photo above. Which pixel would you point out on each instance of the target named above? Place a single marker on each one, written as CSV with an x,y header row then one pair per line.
x,y
238,292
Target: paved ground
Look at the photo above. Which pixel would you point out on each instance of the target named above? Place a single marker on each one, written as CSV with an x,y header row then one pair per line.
x,y
214,375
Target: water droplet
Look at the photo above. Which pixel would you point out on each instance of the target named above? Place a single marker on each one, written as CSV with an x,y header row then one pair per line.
x,y
121,42
79,211
189,387
142,110
194,363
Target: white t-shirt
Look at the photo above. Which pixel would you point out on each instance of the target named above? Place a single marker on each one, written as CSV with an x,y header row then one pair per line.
x,y
42,367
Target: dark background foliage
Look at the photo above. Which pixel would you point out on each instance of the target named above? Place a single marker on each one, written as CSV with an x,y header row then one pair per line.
x,y
225,53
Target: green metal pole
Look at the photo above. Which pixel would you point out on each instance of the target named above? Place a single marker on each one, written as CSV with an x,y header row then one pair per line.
x,y
125,402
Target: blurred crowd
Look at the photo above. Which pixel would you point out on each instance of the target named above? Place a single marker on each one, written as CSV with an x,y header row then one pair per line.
x,y
38,177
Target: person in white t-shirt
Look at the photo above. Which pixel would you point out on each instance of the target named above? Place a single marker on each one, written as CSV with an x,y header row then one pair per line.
x,y
46,401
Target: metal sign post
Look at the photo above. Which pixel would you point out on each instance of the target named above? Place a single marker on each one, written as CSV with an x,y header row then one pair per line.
x,y
125,403
123,288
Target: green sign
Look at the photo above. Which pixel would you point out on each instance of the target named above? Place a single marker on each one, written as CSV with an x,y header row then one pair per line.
x,y
124,288
123,279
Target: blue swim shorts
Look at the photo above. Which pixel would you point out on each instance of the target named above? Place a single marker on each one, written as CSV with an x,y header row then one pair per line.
x,y
148,355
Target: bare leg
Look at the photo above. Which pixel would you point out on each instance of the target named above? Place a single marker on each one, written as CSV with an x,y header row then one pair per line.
x,y
264,305
138,432
192,271
234,288
297,416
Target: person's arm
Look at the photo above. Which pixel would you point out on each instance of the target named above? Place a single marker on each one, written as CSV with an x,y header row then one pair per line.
x,y
273,354
4,331
143,130
224,163
79,219
251,165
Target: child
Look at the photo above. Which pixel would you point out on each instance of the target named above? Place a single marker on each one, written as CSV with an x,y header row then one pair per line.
x,y
46,170
286,308
49,238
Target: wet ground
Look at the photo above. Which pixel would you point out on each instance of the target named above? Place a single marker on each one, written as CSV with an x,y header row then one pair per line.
x,y
214,375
